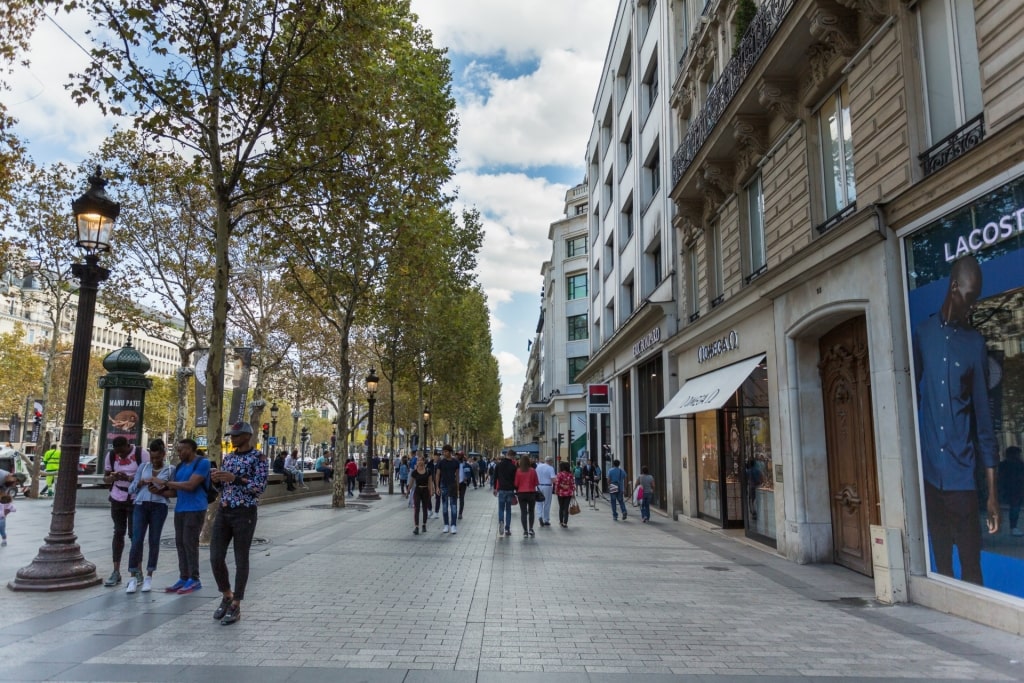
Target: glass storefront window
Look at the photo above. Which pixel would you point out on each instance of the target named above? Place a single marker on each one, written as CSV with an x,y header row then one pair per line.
x,y
708,465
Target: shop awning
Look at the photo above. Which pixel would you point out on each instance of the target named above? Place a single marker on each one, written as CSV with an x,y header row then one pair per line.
x,y
710,391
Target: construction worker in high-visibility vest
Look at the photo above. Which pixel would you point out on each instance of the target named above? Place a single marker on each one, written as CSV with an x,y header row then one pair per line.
x,y
51,463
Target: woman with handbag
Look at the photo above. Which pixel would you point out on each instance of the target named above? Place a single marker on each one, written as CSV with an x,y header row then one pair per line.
x,y
526,491
564,488
646,482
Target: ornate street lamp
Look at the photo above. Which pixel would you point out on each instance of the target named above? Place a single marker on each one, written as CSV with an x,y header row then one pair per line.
x,y
426,431
274,410
369,492
60,564
305,440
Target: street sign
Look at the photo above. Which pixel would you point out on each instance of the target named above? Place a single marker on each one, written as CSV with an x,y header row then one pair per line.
x,y
201,441
271,440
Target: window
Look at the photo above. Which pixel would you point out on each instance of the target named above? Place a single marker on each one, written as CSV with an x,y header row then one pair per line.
x,y
576,246
577,325
625,74
609,255
693,282
680,15
653,268
575,366
716,284
651,86
626,220
836,141
580,209
755,227
606,195
576,286
627,145
628,298
652,171
952,75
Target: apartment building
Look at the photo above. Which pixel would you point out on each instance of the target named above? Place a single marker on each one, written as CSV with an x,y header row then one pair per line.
x,y
808,177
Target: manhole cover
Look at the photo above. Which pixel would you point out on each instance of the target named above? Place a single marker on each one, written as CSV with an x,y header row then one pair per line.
x,y
328,506
169,542
717,569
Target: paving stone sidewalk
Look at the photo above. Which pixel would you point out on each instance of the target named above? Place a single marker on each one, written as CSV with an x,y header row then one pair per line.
x,y
353,595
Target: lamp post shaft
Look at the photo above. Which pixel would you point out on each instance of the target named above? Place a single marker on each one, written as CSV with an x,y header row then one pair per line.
x,y
369,491
60,564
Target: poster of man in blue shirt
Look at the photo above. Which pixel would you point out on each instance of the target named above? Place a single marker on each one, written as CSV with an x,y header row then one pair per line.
x,y
957,435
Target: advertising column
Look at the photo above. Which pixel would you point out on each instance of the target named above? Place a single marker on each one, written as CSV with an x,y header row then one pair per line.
x,y
965,300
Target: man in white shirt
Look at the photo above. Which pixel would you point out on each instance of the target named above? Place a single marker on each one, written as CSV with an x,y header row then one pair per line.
x,y
292,464
545,478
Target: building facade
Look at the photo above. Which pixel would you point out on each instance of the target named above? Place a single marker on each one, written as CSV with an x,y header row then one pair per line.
x,y
843,192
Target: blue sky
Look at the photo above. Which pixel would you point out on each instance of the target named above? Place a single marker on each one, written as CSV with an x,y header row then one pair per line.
x,y
525,74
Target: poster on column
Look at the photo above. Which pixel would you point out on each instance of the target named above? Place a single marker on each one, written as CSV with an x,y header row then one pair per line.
x,y
123,412
965,300
202,359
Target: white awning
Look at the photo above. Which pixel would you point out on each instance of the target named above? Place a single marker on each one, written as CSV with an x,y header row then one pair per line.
x,y
710,391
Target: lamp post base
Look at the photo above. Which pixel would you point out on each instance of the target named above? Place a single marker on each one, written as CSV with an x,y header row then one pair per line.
x,y
59,566
369,492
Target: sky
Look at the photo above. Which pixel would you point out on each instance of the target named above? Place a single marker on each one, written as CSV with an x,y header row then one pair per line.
x,y
525,73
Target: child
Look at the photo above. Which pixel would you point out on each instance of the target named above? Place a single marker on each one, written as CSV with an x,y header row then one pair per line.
x,y
6,508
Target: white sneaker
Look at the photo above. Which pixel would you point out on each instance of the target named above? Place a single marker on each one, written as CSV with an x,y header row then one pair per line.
x,y
445,529
147,584
1015,531
454,530
133,585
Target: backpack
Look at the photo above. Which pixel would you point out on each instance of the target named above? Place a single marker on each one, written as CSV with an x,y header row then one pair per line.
x,y
467,471
211,492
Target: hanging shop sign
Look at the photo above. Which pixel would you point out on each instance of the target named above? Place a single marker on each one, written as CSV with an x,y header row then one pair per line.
x,y
730,342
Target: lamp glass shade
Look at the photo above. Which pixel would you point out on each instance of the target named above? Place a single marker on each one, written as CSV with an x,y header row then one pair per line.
x,y
95,214
371,382
274,411
94,231
426,414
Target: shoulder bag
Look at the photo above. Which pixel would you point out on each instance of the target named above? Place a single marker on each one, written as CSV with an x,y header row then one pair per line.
x,y
574,507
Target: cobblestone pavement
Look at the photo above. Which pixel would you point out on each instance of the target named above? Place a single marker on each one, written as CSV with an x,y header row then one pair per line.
x,y
353,595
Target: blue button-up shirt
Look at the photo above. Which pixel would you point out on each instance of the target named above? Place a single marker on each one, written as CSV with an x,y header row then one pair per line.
x,y
951,363
251,466
141,491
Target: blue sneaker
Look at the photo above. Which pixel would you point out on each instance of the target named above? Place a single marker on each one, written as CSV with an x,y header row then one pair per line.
x,y
175,587
190,585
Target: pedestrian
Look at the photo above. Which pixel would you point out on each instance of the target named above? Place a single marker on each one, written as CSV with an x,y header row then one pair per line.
x,y
119,469
279,468
384,471
646,482
6,508
435,460
526,492
294,465
465,476
242,479
578,474
188,486
51,463
616,489
505,489
545,481
403,474
149,515
422,485
446,478
564,488
323,466
351,472
1011,485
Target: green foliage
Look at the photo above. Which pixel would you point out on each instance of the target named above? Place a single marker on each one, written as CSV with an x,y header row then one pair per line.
x,y
746,10
21,372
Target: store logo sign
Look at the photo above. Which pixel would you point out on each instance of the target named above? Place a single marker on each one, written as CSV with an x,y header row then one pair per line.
x,y
729,342
648,340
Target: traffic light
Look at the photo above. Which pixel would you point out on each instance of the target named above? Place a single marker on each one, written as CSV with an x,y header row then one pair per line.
x,y
266,430
570,436
561,438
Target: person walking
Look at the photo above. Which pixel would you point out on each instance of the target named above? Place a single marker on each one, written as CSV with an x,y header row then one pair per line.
x,y
119,469
188,486
505,489
422,491
616,489
526,491
242,478
351,472
465,476
403,475
446,478
149,515
51,463
545,481
564,487
646,483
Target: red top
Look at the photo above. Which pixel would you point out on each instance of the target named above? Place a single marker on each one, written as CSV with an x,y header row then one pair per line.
x,y
526,482
351,468
565,484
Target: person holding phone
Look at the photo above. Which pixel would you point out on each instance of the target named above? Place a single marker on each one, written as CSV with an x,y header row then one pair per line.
x,y
119,469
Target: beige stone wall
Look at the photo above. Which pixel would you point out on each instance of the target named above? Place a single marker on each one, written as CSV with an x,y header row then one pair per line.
x,y
1000,25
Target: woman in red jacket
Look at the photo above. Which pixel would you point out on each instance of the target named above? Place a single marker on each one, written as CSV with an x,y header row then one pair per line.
x,y
564,488
526,492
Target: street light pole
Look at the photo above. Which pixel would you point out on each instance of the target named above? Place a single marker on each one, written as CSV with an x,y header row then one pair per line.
x,y
60,564
369,492
426,431
274,410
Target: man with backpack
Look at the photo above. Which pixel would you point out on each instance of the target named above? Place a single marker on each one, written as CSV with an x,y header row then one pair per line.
x,y
190,486
119,469
616,489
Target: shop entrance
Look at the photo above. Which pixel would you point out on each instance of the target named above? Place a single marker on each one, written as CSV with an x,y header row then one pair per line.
x,y
849,438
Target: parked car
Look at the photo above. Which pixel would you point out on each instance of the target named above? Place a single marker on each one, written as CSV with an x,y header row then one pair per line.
x,y
87,464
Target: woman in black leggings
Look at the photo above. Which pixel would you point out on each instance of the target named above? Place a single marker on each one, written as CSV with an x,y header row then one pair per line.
x,y
422,491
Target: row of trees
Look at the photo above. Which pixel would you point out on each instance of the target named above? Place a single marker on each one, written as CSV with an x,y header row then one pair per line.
x,y
282,175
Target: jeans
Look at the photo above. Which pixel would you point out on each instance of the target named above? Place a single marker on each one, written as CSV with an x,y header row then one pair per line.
x,y
237,526
327,472
351,483
617,496
120,512
527,505
450,501
645,507
420,501
187,528
3,528
147,516
563,509
505,508
299,476
544,509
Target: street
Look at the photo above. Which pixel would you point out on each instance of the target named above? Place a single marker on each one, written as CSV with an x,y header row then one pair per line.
x,y
353,595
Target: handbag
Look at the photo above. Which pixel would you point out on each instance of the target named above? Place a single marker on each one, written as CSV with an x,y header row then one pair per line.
x,y
539,497
574,507
515,500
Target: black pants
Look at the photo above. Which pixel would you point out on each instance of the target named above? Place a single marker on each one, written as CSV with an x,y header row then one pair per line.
x,y
563,509
462,497
527,506
237,526
420,500
953,519
121,513
187,528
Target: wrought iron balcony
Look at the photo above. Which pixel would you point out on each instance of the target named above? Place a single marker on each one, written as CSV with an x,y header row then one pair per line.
x,y
956,144
756,39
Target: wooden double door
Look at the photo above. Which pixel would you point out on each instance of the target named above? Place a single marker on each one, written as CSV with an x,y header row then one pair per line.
x,y
849,434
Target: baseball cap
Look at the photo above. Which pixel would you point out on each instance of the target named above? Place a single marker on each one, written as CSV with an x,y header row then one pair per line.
x,y
240,428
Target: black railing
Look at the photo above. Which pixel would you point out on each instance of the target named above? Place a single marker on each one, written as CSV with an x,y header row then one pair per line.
x,y
757,38
956,144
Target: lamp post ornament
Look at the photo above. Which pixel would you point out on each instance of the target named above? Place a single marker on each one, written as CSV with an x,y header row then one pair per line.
x,y
369,492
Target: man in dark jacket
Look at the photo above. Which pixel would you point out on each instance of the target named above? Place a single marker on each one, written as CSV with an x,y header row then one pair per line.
x,y
505,490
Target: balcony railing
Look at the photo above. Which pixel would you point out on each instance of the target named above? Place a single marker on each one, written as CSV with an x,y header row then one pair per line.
x,y
956,144
757,38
